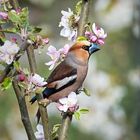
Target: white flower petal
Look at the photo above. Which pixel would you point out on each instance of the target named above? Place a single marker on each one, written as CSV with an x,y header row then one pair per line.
x,y
63,108
72,99
63,100
39,128
65,32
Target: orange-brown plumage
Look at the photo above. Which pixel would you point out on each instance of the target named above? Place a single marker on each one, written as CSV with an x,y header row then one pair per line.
x,y
69,75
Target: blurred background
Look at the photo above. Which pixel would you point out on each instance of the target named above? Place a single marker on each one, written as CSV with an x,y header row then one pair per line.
x,y
113,77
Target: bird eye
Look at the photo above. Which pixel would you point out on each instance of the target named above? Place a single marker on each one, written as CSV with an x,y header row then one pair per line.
x,y
86,48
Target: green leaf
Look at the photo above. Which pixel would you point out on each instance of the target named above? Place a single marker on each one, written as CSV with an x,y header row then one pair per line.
x,y
81,38
6,83
2,22
78,7
55,130
83,110
16,65
14,17
77,115
86,91
37,30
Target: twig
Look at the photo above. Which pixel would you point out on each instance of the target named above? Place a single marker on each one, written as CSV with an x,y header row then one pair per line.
x,y
66,120
23,110
84,16
81,28
19,93
42,109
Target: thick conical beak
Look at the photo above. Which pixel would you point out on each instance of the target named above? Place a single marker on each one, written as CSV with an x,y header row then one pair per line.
x,y
93,48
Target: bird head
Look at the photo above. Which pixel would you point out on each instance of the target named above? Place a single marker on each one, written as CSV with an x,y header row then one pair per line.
x,y
85,46
82,50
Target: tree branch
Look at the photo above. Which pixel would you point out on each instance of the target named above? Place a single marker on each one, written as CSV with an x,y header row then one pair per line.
x,y
23,110
42,108
66,120
84,16
81,29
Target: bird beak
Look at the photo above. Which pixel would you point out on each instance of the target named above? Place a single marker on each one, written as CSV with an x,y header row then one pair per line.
x,y
93,48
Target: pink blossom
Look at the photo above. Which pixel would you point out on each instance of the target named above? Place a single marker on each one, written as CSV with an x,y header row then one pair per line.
x,y
37,80
99,32
54,54
69,22
4,15
64,50
97,35
68,103
45,40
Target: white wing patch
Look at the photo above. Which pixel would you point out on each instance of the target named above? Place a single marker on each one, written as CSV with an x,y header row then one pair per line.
x,y
65,81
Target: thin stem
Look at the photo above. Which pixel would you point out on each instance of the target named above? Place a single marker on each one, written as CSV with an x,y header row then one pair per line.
x,y
23,110
66,120
31,58
19,93
84,16
42,109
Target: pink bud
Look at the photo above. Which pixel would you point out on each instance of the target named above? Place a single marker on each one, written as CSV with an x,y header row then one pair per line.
x,y
4,15
100,41
14,39
21,77
18,10
87,33
45,40
93,38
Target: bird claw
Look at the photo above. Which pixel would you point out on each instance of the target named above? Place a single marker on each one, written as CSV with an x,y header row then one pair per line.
x,y
45,102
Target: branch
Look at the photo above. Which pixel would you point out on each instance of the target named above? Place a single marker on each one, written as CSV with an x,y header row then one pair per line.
x,y
42,108
84,16
81,29
19,93
8,68
66,120
23,110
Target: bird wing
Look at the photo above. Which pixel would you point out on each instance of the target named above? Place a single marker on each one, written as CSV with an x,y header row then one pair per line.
x,y
63,75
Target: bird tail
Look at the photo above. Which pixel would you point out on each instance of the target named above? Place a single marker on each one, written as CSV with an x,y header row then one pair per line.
x,y
33,100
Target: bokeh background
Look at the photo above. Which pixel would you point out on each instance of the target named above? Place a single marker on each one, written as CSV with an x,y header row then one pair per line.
x,y
113,77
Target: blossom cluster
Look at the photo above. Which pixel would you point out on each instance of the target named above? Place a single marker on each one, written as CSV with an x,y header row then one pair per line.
x,y
97,35
8,51
35,83
68,103
69,22
56,55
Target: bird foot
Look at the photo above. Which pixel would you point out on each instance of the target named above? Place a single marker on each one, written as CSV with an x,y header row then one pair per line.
x,y
45,102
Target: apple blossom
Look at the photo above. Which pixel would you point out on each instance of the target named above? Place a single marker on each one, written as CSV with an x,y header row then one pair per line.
x,y
37,80
4,15
56,55
39,134
69,22
97,35
63,51
68,103
8,51
99,32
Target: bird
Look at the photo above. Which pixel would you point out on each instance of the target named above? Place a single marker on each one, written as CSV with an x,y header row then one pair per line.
x,y
70,74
